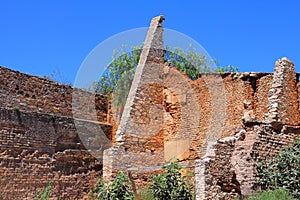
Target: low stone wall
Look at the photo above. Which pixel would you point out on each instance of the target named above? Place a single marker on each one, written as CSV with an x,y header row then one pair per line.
x,y
231,172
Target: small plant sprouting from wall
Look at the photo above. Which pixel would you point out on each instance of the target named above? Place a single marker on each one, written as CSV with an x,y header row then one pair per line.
x,y
52,115
5,179
45,194
16,108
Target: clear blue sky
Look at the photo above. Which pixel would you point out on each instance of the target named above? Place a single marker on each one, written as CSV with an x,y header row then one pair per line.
x,y
38,37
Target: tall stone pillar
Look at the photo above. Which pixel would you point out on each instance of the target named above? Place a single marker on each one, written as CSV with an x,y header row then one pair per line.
x,y
149,71
142,116
283,104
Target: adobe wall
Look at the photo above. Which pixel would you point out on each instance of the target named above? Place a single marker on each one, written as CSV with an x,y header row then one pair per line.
x,y
245,100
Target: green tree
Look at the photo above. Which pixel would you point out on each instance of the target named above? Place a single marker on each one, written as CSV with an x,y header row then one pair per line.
x,y
171,184
118,77
124,63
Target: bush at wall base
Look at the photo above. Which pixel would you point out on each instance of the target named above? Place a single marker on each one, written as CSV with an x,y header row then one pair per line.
x,y
120,189
282,171
171,184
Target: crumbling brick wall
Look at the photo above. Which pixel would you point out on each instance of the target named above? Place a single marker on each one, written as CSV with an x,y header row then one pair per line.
x,y
219,125
232,171
34,94
217,107
39,140
41,144
37,149
270,122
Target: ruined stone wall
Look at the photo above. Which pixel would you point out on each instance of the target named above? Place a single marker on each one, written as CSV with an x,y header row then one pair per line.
x,y
270,122
37,149
232,171
44,136
207,123
34,94
219,125
244,98
40,143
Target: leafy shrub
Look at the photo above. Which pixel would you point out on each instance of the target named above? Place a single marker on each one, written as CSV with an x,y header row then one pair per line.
x,y
120,189
283,171
171,184
278,194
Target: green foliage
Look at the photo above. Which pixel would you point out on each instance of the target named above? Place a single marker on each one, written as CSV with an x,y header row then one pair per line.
x,y
144,194
99,189
189,62
121,92
16,108
122,62
120,189
229,68
45,194
171,184
278,194
118,77
282,171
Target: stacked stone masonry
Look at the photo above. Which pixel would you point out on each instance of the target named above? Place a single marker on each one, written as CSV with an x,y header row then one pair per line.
x,y
222,123
219,125
39,147
39,140
41,95
232,171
